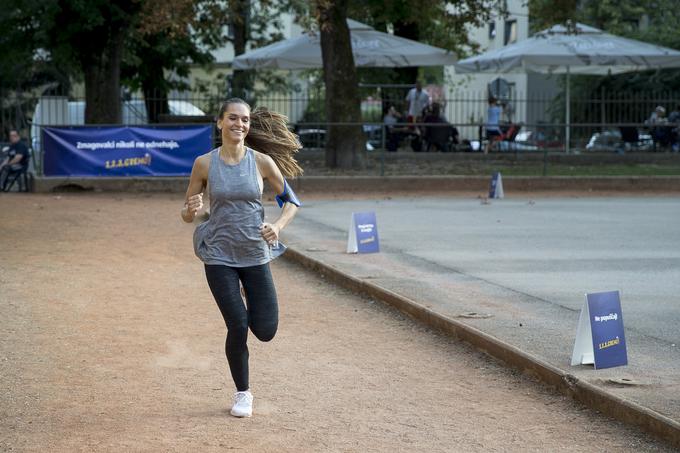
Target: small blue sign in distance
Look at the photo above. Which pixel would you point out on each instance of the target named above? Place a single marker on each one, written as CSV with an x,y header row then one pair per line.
x,y
606,323
366,229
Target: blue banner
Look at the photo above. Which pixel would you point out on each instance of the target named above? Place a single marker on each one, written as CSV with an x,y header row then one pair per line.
x,y
124,151
606,321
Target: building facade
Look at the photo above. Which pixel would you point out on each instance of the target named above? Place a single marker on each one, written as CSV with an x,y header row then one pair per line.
x,y
525,97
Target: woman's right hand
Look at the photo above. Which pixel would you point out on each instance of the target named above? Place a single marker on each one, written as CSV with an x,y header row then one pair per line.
x,y
194,203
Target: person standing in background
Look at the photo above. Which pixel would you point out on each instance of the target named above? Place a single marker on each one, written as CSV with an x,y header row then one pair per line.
x,y
417,100
493,123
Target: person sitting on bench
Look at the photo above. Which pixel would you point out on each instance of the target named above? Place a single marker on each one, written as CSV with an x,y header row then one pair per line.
x,y
438,132
16,162
394,134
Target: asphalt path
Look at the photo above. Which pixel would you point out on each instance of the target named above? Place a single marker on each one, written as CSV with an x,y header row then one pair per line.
x,y
554,249
522,267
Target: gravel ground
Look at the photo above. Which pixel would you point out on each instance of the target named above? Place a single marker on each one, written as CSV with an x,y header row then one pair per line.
x,y
110,341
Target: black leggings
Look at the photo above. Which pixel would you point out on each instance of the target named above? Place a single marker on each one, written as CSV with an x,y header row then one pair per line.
x,y
260,313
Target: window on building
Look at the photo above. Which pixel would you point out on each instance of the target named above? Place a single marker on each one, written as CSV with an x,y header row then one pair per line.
x,y
510,32
492,30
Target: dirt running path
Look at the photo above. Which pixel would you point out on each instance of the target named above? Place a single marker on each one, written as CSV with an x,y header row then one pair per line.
x,y
110,341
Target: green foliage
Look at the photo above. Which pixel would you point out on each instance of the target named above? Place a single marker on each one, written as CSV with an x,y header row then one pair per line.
x,y
546,13
46,41
171,37
315,111
619,17
22,36
265,22
439,23
76,31
652,21
60,40
146,54
257,24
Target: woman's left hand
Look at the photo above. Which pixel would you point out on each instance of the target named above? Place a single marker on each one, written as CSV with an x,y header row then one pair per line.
x,y
270,233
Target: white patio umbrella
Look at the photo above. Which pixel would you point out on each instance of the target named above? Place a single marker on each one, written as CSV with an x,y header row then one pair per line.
x,y
370,47
577,49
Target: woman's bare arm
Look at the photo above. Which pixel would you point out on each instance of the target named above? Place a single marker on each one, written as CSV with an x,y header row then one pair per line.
x,y
271,173
193,200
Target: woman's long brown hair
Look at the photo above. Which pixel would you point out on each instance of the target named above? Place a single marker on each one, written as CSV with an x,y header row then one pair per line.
x,y
269,134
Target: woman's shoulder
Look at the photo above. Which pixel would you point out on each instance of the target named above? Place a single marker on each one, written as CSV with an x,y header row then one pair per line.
x,y
260,157
205,158
264,163
202,162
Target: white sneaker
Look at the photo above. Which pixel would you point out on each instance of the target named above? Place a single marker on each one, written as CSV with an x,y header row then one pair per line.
x,y
243,404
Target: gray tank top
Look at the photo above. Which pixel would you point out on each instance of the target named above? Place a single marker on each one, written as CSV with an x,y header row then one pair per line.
x,y
231,236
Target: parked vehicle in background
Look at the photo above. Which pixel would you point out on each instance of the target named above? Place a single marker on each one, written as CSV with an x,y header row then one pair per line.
x,y
611,140
541,138
312,138
59,111
315,138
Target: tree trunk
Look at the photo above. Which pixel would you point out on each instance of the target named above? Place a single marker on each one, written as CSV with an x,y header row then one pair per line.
x,y
102,84
345,145
241,81
408,30
155,89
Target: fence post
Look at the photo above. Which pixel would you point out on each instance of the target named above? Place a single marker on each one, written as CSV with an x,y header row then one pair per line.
x,y
567,116
382,152
602,108
318,136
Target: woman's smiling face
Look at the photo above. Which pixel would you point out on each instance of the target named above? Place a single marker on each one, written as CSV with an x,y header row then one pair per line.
x,y
235,122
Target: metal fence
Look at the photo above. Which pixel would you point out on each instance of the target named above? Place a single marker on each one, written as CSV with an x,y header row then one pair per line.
x,y
607,122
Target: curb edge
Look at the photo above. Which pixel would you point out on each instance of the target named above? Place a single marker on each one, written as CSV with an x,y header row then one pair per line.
x,y
586,393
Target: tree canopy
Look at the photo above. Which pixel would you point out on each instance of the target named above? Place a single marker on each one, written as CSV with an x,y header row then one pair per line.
x,y
106,42
653,21
440,23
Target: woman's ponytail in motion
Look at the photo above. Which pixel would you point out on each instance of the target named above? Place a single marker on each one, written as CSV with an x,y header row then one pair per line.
x,y
269,134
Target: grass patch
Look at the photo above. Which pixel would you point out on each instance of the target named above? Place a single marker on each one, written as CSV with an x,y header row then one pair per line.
x,y
476,166
553,169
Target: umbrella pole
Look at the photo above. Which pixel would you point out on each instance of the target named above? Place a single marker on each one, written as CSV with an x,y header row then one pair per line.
x,y
567,131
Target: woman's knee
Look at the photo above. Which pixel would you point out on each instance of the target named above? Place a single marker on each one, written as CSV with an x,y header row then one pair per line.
x,y
264,333
237,331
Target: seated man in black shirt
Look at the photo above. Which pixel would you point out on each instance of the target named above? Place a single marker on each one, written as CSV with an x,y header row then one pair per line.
x,y
439,133
394,134
16,161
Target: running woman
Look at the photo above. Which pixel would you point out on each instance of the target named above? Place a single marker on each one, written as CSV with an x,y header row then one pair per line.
x,y
235,244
